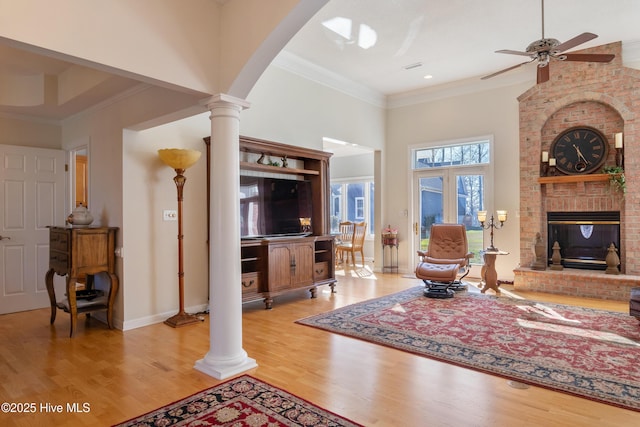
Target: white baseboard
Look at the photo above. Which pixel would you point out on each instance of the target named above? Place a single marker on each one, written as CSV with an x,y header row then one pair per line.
x,y
157,318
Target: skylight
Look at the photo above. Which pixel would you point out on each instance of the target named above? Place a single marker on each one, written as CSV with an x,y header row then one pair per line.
x,y
366,36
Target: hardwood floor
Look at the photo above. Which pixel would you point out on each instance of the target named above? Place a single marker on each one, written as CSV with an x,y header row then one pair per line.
x,y
123,375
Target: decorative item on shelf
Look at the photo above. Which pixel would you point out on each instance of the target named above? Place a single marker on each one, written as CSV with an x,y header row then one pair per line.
x,y
540,262
613,260
502,218
261,160
556,258
389,236
80,217
552,167
616,178
544,164
180,160
284,161
619,150
305,225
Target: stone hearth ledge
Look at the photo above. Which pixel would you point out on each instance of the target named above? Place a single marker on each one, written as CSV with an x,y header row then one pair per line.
x,y
574,282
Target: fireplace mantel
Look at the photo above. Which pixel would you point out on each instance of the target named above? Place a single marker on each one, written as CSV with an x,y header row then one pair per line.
x,y
562,179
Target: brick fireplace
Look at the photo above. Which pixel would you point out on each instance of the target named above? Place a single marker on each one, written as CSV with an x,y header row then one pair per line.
x,y
605,97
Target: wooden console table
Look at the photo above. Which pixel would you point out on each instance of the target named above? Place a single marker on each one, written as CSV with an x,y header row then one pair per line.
x,y
76,253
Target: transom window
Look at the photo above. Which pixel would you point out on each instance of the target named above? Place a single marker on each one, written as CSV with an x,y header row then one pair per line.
x,y
473,153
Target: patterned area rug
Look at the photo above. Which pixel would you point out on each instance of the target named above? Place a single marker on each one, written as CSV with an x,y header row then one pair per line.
x,y
242,401
586,352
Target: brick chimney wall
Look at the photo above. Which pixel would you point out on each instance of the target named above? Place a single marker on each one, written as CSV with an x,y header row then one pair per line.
x,y
605,96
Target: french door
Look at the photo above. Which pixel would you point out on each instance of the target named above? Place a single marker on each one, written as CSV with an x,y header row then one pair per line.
x,y
449,195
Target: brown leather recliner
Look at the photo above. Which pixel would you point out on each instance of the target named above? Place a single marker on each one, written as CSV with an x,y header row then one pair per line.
x,y
446,256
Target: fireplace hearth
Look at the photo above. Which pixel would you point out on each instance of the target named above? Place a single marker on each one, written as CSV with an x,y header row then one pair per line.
x,y
584,237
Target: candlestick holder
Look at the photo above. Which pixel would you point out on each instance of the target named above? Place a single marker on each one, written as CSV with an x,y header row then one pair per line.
x,y
491,225
620,157
544,168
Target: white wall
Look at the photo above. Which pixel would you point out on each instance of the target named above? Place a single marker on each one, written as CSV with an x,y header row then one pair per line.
x,y
29,133
476,114
290,109
150,243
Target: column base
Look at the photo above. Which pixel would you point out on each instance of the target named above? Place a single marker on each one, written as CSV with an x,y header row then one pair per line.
x,y
223,371
181,319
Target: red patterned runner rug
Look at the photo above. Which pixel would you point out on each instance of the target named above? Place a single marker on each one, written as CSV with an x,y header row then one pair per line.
x,y
242,401
586,352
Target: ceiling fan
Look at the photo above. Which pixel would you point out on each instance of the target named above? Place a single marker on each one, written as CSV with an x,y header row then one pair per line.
x,y
544,50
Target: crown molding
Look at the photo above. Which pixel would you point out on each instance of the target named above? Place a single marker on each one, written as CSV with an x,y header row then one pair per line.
x,y
524,75
299,66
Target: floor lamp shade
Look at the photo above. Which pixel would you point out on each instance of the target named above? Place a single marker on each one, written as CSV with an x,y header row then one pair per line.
x,y
180,160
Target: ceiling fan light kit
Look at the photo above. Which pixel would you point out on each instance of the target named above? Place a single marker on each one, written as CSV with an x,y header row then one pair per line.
x,y
546,49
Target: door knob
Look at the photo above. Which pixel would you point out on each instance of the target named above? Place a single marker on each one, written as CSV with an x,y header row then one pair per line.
x,y
5,238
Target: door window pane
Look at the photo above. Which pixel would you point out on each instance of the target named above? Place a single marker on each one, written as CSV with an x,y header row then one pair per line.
x,y
470,199
431,207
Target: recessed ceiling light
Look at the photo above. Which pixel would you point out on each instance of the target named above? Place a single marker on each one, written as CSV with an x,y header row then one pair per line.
x,y
428,76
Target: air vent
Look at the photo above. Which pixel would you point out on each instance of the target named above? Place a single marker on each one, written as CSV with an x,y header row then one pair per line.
x,y
412,66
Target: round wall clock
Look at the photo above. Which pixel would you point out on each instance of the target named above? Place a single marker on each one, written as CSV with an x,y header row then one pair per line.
x,y
579,150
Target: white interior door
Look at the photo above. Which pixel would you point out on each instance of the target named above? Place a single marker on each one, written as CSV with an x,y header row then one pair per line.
x,y
32,190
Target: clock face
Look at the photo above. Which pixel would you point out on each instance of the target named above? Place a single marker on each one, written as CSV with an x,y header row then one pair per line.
x,y
579,150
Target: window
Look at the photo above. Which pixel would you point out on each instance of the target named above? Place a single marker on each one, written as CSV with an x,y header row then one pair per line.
x,y
473,153
352,201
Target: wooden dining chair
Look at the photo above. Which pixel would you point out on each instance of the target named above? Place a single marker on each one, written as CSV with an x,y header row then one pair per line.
x,y
345,236
356,244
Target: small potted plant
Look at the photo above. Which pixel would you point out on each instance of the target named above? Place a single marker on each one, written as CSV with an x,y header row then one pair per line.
x,y
390,236
616,178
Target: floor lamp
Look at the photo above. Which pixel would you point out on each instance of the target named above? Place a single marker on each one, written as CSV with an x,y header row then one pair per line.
x,y
180,160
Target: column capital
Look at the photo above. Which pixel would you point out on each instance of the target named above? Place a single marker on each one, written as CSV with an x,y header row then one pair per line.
x,y
225,101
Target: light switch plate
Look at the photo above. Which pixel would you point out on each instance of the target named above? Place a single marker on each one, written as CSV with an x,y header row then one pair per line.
x,y
169,215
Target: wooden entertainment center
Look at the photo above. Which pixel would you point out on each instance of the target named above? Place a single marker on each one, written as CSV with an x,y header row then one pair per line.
x,y
277,265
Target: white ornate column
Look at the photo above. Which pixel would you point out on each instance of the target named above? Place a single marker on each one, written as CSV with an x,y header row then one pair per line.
x,y
225,357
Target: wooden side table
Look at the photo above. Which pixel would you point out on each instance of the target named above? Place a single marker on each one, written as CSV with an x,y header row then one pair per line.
x,y
488,274
79,252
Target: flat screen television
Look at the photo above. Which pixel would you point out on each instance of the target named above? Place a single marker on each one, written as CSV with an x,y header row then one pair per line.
x,y
274,207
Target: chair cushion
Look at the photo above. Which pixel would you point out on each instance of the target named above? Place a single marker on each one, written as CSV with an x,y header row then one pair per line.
x,y
437,272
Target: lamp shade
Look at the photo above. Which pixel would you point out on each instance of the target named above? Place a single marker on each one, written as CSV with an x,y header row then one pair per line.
x,y
502,216
482,216
179,158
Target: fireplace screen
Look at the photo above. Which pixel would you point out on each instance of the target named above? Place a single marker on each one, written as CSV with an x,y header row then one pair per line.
x,y
584,237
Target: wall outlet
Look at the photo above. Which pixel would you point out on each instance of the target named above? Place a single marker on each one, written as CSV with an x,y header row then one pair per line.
x,y
169,215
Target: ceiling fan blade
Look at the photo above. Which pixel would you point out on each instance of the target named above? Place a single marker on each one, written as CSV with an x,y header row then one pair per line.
x,y
513,52
582,38
588,57
543,74
504,71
